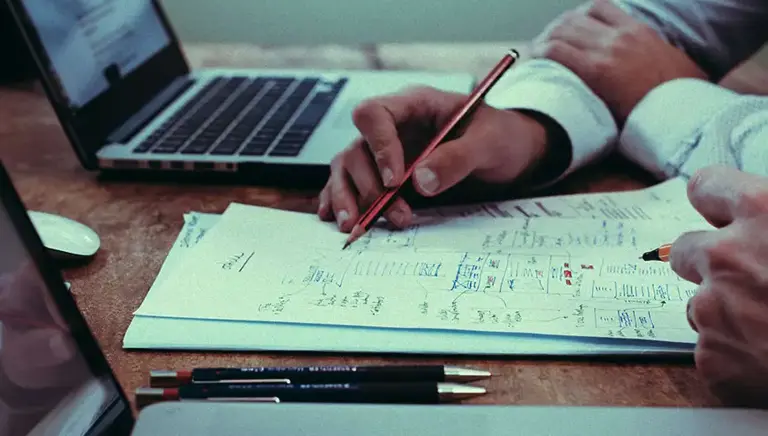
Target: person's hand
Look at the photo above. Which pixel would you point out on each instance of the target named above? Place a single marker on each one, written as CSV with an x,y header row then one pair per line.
x,y
494,146
618,57
36,349
730,264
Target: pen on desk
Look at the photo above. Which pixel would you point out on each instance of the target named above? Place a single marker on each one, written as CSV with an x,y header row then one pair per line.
x,y
660,254
400,393
381,204
318,374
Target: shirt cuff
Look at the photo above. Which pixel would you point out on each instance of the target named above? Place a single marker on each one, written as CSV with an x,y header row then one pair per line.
x,y
546,87
668,118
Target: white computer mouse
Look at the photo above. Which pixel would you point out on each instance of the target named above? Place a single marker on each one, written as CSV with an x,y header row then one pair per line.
x,y
65,239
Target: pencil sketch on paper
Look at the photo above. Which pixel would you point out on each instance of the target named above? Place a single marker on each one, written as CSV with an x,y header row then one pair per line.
x,y
524,276
665,201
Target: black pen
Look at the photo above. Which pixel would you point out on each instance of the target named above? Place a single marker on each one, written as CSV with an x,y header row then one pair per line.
x,y
318,374
403,393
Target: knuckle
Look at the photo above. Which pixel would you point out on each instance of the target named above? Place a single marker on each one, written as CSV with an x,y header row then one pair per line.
x,y
367,195
595,6
337,161
381,155
340,160
752,202
568,18
719,255
642,30
600,64
705,306
553,49
363,111
701,177
694,183
624,37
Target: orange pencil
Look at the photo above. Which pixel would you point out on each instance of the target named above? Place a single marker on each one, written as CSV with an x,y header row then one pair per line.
x,y
661,254
381,204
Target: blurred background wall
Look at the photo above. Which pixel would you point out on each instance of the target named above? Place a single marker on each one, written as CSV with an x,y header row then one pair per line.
x,y
361,21
299,22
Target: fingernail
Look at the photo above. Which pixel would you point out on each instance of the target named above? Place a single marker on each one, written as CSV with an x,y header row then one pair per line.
x,y
342,217
321,207
387,176
426,180
397,216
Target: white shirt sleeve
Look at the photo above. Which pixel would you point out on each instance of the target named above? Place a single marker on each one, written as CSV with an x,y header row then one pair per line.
x,y
546,87
716,34
688,124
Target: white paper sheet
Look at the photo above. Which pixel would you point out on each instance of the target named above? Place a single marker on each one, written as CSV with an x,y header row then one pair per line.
x,y
175,333
549,276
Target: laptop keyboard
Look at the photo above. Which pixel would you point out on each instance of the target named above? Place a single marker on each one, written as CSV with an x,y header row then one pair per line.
x,y
246,116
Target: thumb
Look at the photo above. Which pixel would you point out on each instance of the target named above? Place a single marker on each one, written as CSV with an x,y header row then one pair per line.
x,y
446,166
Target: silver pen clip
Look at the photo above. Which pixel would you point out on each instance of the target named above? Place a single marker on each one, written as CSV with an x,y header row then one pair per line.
x,y
275,381
246,399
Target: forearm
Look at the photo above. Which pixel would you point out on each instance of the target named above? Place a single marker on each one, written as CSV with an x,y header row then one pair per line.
x,y
686,124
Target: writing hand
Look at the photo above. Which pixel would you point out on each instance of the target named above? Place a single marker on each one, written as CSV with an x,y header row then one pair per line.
x,y
618,57
730,264
495,146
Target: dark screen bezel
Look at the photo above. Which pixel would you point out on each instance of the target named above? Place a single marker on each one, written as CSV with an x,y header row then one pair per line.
x,y
87,127
121,420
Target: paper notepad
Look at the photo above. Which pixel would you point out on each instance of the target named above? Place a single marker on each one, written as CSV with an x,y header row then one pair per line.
x,y
574,277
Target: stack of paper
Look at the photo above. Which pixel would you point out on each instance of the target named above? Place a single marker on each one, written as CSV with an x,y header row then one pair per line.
x,y
547,276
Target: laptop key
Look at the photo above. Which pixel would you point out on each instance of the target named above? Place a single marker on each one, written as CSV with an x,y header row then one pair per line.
x,y
286,150
311,116
197,147
165,149
169,145
295,136
254,150
227,146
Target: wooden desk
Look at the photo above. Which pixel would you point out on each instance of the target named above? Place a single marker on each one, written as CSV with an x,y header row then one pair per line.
x,y
138,222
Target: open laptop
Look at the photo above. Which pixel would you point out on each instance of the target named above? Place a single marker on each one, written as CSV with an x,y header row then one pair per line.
x,y
115,74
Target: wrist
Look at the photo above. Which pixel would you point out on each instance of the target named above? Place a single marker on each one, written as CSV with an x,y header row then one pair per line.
x,y
551,152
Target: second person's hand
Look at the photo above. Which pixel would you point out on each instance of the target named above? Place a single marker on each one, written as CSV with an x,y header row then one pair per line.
x,y
494,146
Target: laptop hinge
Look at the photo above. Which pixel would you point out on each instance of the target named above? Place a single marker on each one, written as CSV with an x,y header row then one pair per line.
x,y
149,111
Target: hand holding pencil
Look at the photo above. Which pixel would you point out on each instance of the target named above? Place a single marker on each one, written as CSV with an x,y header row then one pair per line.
x,y
491,145
465,111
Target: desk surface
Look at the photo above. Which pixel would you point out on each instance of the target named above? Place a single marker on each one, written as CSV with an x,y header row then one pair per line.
x,y
138,223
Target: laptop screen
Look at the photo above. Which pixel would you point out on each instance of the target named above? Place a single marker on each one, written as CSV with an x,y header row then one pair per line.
x,y
47,386
92,43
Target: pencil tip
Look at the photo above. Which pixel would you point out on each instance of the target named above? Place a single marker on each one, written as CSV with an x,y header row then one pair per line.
x,y
354,235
